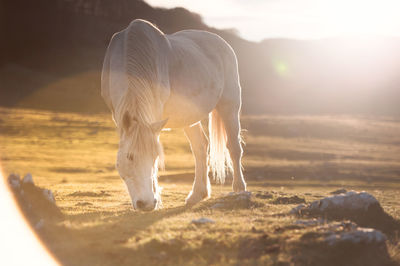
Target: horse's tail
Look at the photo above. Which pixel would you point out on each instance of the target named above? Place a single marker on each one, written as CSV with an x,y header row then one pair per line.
x,y
220,160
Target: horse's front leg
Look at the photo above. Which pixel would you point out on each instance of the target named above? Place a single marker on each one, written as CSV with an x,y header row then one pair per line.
x,y
199,144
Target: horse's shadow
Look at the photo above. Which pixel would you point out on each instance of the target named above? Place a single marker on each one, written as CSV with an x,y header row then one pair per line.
x,y
94,236
100,236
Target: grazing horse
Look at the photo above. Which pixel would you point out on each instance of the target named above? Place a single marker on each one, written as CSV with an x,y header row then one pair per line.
x,y
151,80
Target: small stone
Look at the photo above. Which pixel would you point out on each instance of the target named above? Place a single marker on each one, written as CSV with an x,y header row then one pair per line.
x,y
28,179
203,220
218,206
49,195
14,181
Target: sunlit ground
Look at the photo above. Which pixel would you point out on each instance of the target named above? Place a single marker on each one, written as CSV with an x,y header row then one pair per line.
x,y
309,156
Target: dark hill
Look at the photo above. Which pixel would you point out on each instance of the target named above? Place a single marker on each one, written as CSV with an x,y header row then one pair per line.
x,y
53,52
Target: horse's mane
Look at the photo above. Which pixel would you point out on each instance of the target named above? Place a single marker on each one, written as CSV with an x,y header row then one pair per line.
x,y
141,54
141,101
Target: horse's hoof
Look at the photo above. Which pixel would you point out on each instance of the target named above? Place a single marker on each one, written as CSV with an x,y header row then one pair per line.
x,y
195,198
239,186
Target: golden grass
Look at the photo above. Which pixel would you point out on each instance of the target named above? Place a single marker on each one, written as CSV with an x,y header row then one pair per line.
x,y
74,155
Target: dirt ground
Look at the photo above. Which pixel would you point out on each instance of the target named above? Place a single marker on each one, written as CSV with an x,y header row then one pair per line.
x,y
288,160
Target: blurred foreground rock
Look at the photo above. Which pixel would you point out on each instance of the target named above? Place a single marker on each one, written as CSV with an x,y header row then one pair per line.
x,y
36,203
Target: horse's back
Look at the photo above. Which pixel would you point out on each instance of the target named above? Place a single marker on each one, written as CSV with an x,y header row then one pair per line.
x,y
198,66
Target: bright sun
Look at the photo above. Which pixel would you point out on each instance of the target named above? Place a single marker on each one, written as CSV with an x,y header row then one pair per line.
x,y
303,19
359,17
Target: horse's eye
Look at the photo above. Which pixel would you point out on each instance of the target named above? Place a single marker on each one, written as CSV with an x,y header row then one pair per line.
x,y
129,156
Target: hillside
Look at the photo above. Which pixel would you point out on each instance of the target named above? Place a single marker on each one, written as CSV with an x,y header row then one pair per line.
x,y
54,51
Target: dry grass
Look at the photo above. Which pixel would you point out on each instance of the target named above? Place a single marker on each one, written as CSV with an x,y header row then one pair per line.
x,y
74,155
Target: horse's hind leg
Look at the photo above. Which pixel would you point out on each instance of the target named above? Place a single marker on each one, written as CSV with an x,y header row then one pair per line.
x,y
199,144
230,116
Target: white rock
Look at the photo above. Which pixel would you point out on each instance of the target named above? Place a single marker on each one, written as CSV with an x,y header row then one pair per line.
x,y
202,220
347,201
49,195
358,235
28,179
14,181
350,200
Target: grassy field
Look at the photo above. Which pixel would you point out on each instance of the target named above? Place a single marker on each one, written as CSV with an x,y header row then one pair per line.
x,y
307,156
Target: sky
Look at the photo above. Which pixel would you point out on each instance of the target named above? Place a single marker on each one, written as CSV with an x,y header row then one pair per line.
x,y
300,19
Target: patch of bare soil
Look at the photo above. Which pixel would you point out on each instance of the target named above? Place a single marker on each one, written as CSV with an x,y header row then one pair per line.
x,y
289,200
162,250
253,248
264,195
233,200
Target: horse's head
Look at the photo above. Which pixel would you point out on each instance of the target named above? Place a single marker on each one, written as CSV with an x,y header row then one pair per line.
x,y
139,154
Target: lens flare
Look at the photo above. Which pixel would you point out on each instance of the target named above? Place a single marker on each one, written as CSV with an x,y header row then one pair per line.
x,y
281,68
18,244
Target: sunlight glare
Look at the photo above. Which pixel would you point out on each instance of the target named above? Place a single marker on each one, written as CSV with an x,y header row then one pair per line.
x,y
18,244
281,68
302,19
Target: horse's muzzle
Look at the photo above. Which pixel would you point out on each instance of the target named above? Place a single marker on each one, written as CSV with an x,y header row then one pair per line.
x,y
146,206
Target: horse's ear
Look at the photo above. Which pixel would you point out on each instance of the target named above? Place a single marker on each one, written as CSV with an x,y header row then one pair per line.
x,y
157,126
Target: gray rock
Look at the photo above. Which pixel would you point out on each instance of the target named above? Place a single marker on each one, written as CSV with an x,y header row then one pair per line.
x,y
356,235
203,220
28,179
49,195
349,201
14,181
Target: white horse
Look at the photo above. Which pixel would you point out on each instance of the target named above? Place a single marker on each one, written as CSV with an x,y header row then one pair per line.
x,y
151,80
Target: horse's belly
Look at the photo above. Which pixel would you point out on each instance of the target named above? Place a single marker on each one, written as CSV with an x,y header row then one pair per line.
x,y
186,108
